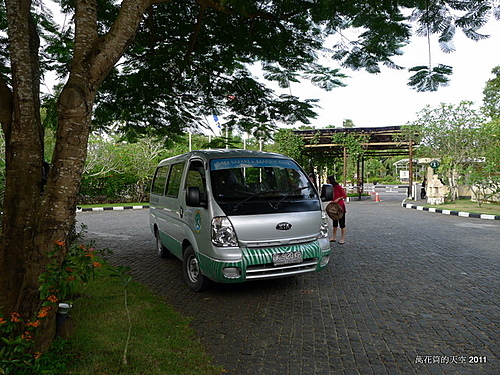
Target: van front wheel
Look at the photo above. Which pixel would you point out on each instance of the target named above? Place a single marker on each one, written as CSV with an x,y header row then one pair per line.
x,y
192,273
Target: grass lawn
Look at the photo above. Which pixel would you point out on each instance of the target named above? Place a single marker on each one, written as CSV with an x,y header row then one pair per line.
x,y
160,342
465,205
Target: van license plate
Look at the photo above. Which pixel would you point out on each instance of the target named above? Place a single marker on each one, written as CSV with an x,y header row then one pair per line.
x,y
287,258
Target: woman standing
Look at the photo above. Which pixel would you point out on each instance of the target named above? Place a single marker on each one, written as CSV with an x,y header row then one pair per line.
x,y
339,196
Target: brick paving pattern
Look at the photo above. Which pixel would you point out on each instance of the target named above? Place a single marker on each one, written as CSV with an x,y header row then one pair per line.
x,y
411,292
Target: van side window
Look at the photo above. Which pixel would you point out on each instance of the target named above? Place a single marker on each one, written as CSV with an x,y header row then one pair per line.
x,y
196,178
158,185
174,180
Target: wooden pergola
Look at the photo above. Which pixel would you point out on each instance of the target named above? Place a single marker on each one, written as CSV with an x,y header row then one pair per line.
x,y
379,141
376,141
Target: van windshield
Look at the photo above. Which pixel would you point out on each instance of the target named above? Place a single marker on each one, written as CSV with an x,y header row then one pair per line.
x,y
243,186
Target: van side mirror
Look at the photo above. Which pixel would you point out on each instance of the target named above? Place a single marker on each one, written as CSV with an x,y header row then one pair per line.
x,y
193,197
326,192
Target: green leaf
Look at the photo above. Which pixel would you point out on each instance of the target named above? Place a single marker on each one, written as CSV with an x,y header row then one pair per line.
x,y
324,77
426,79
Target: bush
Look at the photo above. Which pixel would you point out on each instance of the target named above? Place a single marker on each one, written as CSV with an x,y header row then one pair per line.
x,y
109,189
59,283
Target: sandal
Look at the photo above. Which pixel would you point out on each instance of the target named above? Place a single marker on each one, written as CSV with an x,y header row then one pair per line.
x,y
341,242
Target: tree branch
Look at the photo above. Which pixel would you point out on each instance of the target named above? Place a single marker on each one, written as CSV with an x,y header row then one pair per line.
x,y
220,7
196,32
111,46
85,30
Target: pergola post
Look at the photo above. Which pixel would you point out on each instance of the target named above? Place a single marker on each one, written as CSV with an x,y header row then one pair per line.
x,y
359,177
345,166
410,168
362,176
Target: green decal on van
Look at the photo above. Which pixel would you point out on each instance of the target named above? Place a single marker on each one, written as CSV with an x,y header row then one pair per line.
x,y
213,268
265,255
255,257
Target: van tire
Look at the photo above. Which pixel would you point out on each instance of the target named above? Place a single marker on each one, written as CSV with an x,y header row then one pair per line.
x,y
192,272
161,250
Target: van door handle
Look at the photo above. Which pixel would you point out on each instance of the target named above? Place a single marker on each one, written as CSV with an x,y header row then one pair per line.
x,y
181,212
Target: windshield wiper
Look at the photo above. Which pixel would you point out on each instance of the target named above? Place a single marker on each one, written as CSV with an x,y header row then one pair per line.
x,y
287,195
253,196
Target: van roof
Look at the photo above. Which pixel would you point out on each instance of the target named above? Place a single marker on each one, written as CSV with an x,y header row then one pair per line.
x,y
222,153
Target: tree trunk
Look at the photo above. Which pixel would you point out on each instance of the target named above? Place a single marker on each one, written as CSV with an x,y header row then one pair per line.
x,y
23,156
35,217
32,221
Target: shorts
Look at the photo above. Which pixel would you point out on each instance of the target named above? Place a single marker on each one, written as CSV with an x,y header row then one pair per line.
x,y
341,222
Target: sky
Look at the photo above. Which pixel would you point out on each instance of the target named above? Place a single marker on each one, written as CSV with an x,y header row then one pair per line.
x,y
385,99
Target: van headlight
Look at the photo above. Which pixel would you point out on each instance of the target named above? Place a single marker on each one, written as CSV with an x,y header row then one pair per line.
x,y
223,232
323,230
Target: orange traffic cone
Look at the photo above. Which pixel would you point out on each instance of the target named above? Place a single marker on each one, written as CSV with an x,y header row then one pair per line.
x,y
377,197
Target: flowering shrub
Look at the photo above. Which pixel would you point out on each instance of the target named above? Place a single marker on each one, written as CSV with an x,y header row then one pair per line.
x,y
16,354
78,267
59,283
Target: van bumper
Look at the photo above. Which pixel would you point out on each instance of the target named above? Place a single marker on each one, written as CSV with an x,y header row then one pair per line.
x,y
258,263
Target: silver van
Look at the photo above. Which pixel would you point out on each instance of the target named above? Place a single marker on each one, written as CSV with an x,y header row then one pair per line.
x,y
238,215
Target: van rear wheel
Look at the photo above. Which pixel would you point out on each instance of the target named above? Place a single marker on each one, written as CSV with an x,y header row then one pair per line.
x,y
192,272
161,250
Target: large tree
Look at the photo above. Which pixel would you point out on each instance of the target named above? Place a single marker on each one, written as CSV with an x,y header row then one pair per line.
x,y
454,134
491,95
162,65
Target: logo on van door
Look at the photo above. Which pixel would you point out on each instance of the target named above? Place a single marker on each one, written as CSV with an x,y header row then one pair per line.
x,y
283,226
197,221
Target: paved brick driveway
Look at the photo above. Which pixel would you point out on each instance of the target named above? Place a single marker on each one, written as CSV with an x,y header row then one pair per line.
x,y
411,292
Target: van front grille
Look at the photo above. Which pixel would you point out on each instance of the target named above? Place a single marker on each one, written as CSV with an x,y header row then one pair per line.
x,y
269,271
273,243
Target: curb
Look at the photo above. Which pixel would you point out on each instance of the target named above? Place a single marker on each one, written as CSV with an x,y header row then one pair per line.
x,y
449,212
117,208
403,204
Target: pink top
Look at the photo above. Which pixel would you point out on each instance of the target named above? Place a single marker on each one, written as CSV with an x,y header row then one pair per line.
x,y
339,192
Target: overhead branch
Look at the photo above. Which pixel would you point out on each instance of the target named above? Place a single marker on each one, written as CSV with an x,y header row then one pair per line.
x,y
221,7
85,29
111,46
196,32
